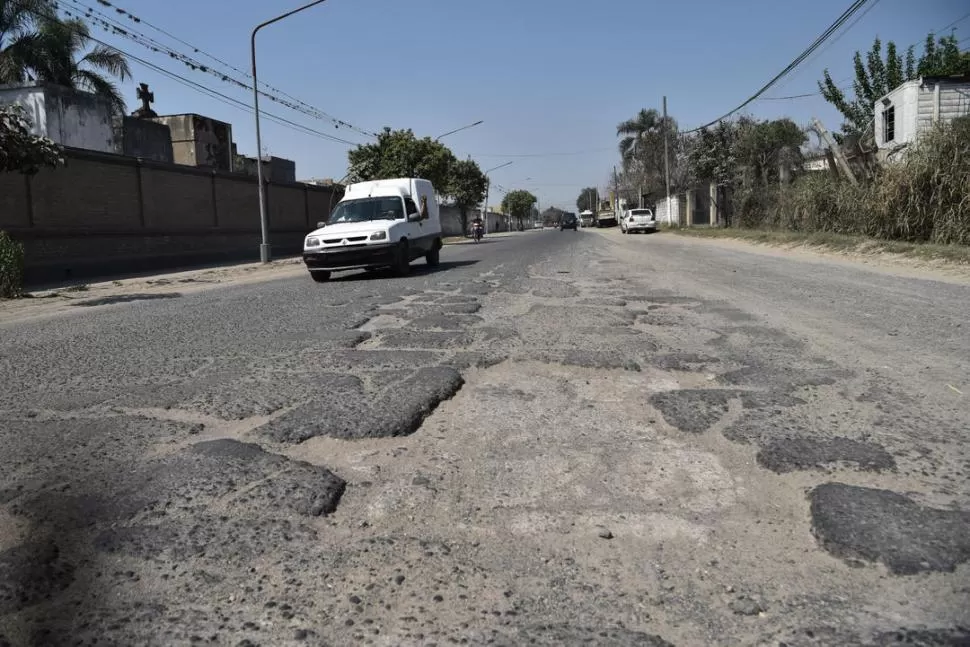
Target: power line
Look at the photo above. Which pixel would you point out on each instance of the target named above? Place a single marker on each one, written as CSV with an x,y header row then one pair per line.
x,y
218,95
842,83
112,26
563,154
846,15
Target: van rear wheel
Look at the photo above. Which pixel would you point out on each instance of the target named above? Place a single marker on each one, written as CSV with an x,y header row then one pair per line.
x,y
433,257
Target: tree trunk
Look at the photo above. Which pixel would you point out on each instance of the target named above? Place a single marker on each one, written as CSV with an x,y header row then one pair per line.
x,y
464,220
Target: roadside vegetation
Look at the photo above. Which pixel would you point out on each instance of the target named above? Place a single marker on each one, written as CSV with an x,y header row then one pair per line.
x,y
918,204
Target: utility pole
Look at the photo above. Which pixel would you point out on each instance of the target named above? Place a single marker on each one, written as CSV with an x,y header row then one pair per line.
x,y
616,195
667,163
836,150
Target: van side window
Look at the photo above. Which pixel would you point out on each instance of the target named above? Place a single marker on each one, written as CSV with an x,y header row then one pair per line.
x,y
411,207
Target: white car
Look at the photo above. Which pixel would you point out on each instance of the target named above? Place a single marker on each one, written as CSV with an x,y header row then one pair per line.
x,y
382,223
634,220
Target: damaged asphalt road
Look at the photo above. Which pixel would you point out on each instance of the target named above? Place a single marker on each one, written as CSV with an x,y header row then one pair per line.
x,y
553,439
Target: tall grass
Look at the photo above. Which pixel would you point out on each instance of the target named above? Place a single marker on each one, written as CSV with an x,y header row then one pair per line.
x,y
925,197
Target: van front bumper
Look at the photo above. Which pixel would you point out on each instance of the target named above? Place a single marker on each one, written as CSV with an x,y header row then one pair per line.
x,y
349,258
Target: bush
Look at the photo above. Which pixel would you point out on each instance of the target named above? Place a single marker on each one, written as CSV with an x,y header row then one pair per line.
x,y
925,197
11,267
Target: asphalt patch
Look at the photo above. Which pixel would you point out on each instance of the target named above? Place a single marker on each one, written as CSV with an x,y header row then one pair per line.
x,y
32,573
585,359
692,410
398,412
564,634
876,525
445,322
792,454
484,336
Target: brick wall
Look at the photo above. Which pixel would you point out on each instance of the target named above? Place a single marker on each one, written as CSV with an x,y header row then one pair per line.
x,y
105,214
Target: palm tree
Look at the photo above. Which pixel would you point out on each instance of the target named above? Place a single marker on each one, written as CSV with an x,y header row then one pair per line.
x,y
642,147
19,40
62,60
636,134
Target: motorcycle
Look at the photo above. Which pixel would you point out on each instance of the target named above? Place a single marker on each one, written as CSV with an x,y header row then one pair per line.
x,y
477,232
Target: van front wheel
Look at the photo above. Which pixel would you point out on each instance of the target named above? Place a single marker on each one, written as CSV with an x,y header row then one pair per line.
x,y
402,261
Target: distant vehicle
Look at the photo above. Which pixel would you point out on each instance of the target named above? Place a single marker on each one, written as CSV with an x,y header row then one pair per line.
x,y
382,223
586,218
635,220
538,225
568,221
606,218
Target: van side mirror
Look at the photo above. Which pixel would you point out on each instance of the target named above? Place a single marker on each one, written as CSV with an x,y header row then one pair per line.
x,y
321,224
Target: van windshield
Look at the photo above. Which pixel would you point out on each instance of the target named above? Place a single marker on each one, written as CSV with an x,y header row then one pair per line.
x,y
364,209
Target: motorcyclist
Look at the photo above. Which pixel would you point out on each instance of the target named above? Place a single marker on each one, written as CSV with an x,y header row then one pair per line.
x,y
478,227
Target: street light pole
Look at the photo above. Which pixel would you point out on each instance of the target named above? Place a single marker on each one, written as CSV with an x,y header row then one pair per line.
x,y
487,185
451,132
264,247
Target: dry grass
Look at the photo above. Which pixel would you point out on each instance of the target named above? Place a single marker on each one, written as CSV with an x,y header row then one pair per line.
x,y
925,198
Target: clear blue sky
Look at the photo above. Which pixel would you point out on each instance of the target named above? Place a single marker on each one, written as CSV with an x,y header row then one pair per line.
x,y
550,78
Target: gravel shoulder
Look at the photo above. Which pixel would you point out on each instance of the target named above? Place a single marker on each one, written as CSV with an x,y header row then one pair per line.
x,y
561,438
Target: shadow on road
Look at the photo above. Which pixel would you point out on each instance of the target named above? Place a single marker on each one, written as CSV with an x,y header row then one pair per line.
x,y
127,298
417,269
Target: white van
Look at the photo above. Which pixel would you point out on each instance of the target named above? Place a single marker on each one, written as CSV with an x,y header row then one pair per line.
x,y
381,223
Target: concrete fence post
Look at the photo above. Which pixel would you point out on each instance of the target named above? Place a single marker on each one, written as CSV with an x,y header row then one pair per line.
x,y
140,188
215,202
29,195
689,208
712,211
306,207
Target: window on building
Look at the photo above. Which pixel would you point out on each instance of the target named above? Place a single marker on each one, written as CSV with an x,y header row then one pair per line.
x,y
889,124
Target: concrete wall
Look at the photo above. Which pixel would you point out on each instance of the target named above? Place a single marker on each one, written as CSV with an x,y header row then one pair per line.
x,y
146,139
200,141
660,210
68,117
451,220
109,214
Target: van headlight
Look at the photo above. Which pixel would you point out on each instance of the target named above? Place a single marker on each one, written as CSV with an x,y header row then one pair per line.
x,y
379,235
312,242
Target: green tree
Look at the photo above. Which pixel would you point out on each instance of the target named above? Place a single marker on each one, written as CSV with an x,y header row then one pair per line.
x,y
587,199
876,76
518,204
19,40
764,147
65,59
20,150
466,186
551,216
642,148
398,153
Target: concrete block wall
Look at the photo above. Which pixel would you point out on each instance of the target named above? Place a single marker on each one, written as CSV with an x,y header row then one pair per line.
x,y
105,214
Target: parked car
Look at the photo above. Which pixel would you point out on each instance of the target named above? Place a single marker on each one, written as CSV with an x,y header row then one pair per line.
x,y
634,220
382,223
568,221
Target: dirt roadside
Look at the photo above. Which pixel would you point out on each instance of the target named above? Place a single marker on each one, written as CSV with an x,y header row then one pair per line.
x,y
882,262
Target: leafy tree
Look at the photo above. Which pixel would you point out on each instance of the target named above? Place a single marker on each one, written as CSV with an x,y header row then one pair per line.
x,y
877,76
19,40
466,186
587,199
35,44
66,60
398,153
20,150
762,147
518,204
642,148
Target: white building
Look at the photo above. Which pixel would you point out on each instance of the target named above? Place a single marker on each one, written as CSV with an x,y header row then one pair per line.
x,y
66,116
914,107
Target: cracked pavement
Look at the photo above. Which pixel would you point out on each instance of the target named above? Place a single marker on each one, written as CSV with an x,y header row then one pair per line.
x,y
554,438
